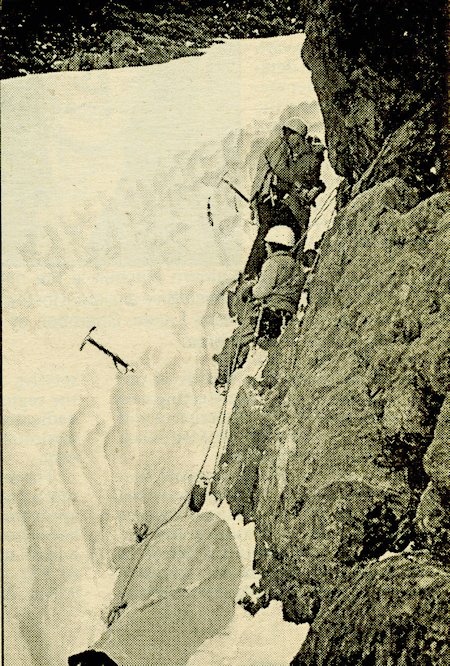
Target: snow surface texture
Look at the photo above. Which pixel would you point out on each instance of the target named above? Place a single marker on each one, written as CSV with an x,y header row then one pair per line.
x,y
106,176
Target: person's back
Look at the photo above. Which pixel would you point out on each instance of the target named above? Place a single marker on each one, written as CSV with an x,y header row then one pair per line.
x,y
279,286
305,169
286,184
273,157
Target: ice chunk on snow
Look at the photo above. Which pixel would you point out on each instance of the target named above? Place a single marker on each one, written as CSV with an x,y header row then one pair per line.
x,y
179,587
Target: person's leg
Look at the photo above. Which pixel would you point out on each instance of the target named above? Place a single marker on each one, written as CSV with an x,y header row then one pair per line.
x,y
258,252
235,350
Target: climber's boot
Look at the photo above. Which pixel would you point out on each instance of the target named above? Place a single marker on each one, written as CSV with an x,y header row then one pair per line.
x,y
221,387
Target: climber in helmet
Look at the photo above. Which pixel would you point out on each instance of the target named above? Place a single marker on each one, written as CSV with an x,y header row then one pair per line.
x,y
270,301
286,185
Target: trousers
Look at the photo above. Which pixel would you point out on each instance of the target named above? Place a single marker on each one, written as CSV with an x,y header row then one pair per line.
x,y
236,347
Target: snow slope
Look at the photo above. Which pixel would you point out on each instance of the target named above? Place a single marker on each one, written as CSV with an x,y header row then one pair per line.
x,y
106,176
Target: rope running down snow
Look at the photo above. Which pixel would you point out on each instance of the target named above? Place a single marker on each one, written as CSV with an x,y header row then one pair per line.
x,y
220,422
115,612
171,517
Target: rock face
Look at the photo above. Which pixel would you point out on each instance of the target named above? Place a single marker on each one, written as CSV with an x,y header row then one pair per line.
x,y
341,452
397,595
379,72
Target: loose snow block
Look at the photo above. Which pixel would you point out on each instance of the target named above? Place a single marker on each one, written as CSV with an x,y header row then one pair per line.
x,y
182,592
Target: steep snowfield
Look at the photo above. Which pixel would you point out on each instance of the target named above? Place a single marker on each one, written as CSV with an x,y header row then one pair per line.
x,y
106,176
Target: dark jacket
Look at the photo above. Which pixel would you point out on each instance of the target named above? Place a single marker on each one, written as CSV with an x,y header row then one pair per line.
x,y
279,171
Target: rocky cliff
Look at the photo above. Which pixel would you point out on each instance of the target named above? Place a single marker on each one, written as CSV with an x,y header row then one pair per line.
x,y
340,454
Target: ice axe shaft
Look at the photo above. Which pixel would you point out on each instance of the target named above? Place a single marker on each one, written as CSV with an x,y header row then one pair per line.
x,y
299,242
235,189
116,359
209,213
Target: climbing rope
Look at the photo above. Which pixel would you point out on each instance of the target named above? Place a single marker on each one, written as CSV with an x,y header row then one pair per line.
x,y
219,450
115,612
325,205
300,323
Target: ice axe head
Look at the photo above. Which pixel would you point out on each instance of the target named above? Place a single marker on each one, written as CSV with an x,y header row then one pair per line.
x,y
221,178
86,338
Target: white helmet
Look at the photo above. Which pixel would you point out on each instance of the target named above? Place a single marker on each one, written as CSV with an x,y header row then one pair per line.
x,y
296,125
282,235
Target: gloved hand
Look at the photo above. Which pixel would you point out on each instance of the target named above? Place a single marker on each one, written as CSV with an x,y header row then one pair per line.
x,y
246,288
300,193
312,194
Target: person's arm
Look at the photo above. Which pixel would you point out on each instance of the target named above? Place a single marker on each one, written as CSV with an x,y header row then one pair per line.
x,y
245,290
278,159
267,280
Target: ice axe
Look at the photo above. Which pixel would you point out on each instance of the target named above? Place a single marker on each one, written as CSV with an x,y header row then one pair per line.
x,y
233,187
116,359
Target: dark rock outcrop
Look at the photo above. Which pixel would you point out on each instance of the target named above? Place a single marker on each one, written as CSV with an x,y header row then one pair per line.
x,y
379,70
329,460
402,624
340,453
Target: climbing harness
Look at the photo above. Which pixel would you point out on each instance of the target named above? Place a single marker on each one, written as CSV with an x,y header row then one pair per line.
x,y
116,359
258,324
270,324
